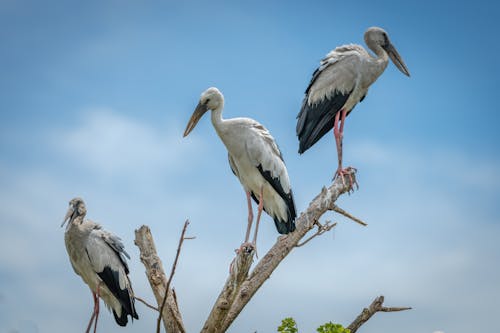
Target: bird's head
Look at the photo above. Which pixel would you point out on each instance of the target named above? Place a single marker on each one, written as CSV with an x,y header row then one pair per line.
x,y
377,37
76,209
211,99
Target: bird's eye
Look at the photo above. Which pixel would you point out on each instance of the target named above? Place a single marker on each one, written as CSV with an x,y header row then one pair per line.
x,y
208,100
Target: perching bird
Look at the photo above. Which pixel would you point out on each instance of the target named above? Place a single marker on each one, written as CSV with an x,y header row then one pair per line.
x,y
255,159
98,257
341,81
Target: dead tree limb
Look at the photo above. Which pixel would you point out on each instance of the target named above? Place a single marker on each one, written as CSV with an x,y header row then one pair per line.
x,y
367,313
232,300
321,230
172,319
348,215
146,303
238,272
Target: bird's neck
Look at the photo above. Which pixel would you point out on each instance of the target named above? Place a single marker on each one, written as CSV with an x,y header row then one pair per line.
x,y
381,54
217,119
380,61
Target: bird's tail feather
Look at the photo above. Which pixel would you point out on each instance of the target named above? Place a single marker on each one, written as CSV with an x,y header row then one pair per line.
x,y
284,227
122,320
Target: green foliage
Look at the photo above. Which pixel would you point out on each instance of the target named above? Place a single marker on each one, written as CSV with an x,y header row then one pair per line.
x,y
288,325
332,328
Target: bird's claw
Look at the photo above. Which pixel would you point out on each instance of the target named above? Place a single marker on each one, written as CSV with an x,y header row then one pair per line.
x,y
349,171
247,248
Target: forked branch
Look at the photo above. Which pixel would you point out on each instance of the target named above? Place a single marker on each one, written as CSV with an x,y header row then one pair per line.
x,y
242,284
367,313
235,299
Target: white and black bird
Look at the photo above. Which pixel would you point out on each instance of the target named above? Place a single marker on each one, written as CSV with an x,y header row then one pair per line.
x,y
341,81
98,257
255,159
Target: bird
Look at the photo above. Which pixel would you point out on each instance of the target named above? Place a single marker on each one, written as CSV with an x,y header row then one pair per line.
x,y
255,159
338,84
98,256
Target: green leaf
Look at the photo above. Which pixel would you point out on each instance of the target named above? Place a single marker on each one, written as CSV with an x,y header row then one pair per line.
x,y
288,325
332,328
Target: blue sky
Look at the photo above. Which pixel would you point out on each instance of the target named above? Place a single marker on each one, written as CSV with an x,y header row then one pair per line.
x,y
95,95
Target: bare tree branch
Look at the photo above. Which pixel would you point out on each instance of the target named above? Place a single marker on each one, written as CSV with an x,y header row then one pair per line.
x,y
241,285
234,300
172,319
172,272
321,230
238,272
146,303
367,313
346,214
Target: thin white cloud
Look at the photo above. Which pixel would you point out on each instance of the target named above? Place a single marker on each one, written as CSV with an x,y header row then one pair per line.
x,y
112,145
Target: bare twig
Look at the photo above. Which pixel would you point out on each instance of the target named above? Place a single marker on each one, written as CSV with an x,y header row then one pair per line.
x,y
367,313
321,230
172,272
146,303
348,215
172,318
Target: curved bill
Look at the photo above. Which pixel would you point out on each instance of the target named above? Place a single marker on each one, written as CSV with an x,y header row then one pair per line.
x,y
69,216
198,112
396,59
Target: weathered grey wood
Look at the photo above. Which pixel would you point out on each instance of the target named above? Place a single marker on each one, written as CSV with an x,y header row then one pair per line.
x,y
172,319
241,285
367,313
305,222
238,272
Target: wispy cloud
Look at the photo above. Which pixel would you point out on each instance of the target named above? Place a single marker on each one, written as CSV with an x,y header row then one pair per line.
x,y
112,145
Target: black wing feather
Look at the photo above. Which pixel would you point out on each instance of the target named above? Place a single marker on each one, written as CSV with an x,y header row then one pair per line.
x,y
315,120
283,227
112,281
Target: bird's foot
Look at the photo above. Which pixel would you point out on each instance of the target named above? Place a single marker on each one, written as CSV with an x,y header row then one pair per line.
x,y
349,172
246,247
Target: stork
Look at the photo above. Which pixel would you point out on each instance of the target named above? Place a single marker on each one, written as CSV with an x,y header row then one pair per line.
x,y
254,157
98,257
338,84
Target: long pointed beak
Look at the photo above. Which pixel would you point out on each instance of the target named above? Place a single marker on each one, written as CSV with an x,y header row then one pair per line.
x,y
396,59
197,114
69,216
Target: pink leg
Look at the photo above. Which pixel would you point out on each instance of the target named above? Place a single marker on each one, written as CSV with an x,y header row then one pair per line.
x,y
338,139
250,217
259,213
246,245
338,132
97,308
94,296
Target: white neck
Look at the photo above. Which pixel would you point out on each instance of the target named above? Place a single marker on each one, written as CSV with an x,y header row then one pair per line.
x,y
216,117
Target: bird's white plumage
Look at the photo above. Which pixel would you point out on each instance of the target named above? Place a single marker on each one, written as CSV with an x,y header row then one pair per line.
x,y
250,145
91,250
101,252
254,158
